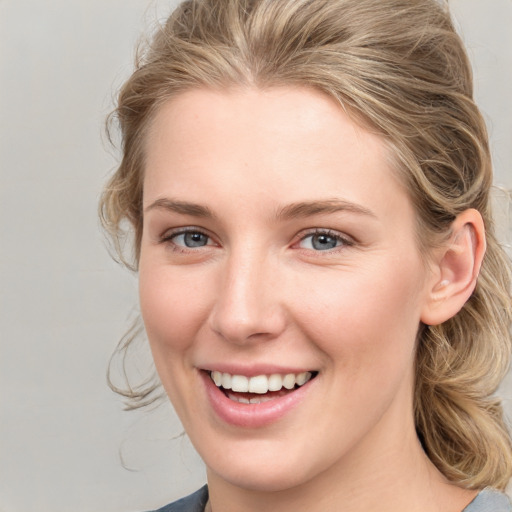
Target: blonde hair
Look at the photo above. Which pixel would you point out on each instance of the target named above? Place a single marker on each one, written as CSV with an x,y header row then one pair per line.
x,y
399,67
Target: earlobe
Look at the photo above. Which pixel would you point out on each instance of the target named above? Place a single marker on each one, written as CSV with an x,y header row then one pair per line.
x,y
456,268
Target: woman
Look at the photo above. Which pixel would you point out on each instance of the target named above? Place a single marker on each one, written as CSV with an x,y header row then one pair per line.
x,y
328,310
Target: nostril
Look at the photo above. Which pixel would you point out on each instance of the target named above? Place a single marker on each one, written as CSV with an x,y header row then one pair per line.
x,y
247,307
256,329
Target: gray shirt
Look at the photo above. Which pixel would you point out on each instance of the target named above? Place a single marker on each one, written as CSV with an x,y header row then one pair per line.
x,y
487,500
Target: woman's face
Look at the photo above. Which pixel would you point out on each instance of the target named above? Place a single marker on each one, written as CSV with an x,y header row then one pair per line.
x,y
278,242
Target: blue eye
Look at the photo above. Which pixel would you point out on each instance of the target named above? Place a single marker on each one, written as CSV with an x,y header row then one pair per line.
x,y
321,241
191,239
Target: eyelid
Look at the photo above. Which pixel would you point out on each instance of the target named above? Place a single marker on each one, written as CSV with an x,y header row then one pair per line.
x,y
346,240
169,234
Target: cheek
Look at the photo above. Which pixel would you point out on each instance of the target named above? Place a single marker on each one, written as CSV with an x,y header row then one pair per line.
x,y
173,304
366,319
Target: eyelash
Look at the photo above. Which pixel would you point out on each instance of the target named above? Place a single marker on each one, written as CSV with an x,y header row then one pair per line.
x,y
342,241
168,238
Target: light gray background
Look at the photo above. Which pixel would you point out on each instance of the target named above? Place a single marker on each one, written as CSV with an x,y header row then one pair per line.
x,y
63,303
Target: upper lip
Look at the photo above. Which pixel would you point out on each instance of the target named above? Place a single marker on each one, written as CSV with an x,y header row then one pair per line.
x,y
255,369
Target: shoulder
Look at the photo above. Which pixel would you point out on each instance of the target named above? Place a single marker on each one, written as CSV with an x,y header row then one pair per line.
x,y
489,500
193,503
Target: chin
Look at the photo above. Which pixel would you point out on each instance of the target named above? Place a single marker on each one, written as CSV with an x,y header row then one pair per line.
x,y
273,470
268,479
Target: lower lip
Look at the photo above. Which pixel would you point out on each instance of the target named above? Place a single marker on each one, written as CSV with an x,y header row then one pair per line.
x,y
251,415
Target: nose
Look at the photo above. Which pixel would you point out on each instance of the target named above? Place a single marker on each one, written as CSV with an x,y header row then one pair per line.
x,y
249,305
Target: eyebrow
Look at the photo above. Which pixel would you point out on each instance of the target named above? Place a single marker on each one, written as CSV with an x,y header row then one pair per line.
x,y
310,208
295,210
182,207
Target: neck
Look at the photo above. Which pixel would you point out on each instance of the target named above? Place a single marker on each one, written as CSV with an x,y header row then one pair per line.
x,y
398,476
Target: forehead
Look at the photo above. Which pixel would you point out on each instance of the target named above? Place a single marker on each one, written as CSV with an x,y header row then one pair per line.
x,y
282,144
259,111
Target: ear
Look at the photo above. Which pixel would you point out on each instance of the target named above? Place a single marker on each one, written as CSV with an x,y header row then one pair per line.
x,y
455,268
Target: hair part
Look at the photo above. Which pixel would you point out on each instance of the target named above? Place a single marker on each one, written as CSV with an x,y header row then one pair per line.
x,y
399,68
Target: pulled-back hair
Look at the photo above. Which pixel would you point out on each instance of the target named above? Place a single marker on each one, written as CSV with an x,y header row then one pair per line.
x,y
399,68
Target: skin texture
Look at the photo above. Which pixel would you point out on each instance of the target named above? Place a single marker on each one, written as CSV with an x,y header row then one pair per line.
x,y
259,292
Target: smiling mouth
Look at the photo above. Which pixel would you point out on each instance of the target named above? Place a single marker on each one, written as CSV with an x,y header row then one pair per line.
x,y
260,388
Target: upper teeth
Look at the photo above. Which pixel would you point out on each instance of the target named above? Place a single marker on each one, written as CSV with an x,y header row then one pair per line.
x,y
260,383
